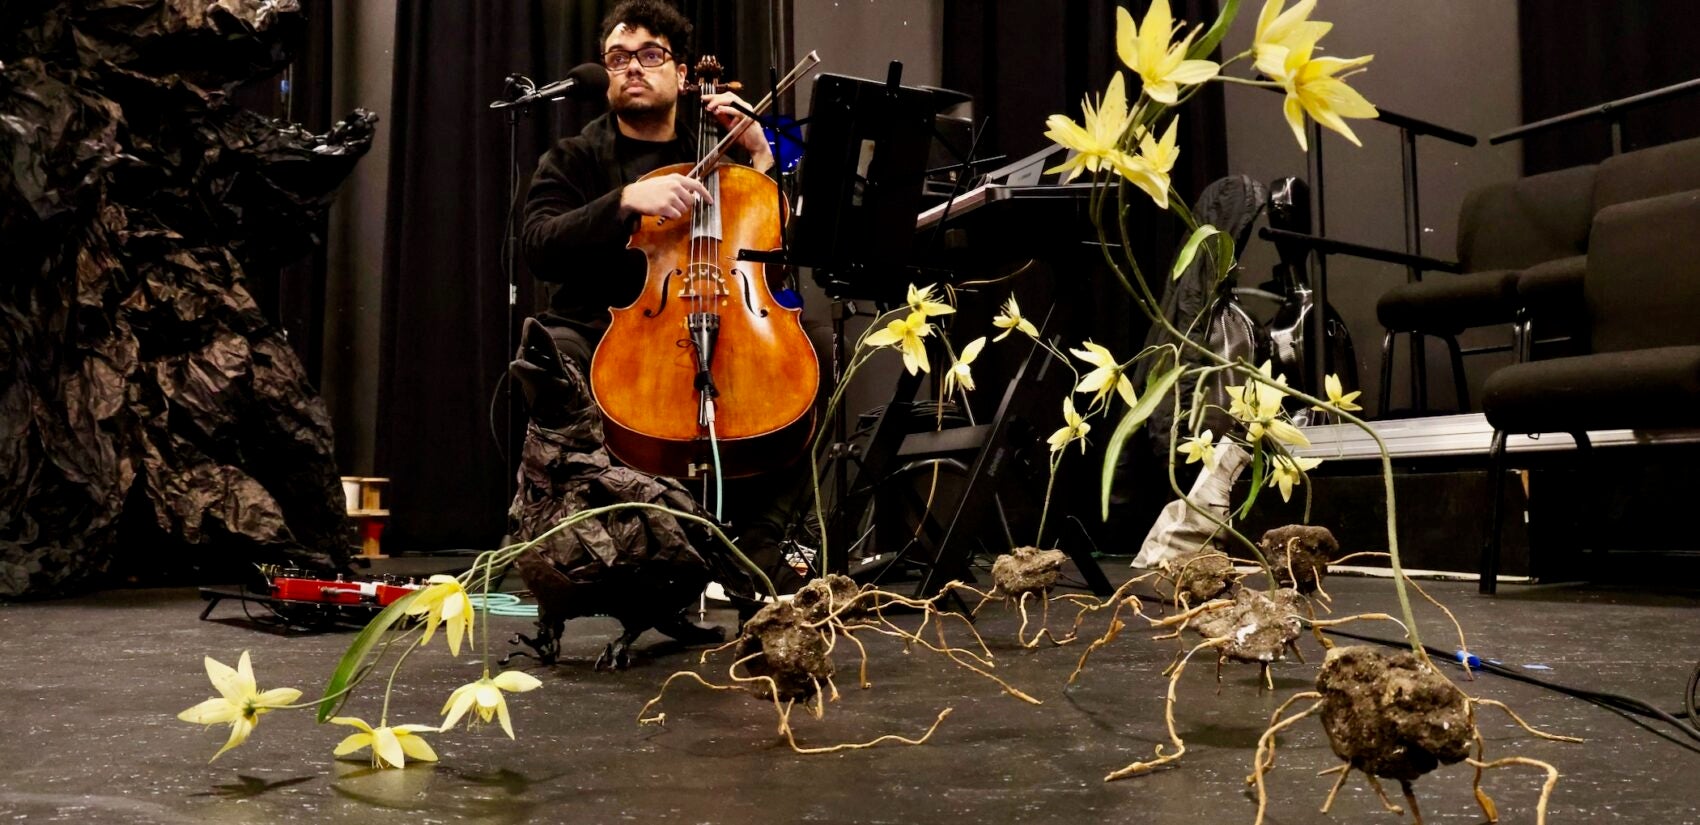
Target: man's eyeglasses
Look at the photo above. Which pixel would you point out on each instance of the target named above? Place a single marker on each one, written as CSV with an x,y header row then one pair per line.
x,y
648,57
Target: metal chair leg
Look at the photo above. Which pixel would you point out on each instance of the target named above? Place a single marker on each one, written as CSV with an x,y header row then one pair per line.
x,y
1496,491
1419,372
1460,381
1386,374
1523,337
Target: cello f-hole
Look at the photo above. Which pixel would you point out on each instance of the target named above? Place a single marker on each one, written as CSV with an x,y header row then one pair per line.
x,y
748,301
651,313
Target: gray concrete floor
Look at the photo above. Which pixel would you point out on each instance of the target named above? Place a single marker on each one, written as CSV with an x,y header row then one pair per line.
x,y
93,685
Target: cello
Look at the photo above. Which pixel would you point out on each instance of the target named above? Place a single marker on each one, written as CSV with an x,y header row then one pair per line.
x,y
705,364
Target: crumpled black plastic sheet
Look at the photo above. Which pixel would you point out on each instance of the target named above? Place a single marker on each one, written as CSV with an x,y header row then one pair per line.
x,y
149,413
639,566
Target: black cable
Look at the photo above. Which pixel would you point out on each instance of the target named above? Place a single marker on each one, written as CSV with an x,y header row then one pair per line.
x,y
1610,701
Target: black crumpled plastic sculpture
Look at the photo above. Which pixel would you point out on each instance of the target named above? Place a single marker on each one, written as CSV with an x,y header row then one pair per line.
x,y
643,567
149,413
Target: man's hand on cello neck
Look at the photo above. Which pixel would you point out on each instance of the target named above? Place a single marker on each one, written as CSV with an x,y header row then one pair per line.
x,y
752,140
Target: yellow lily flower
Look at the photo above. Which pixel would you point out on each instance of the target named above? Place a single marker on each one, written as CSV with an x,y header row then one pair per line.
x,y
906,334
1289,472
1107,375
1277,429
239,702
486,694
1278,31
1342,402
1074,428
1162,66
1097,145
1313,88
959,374
444,600
1149,170
1010,320
391,746
923,301
1201,447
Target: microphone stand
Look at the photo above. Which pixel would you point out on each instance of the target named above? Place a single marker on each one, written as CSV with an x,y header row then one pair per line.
x,y
515,89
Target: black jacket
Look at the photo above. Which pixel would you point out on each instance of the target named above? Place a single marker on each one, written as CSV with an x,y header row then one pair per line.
x,y
573,234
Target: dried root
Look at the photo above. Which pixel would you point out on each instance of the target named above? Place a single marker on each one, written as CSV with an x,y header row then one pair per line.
x,y
1024,573
784,654
1395,716
1169,717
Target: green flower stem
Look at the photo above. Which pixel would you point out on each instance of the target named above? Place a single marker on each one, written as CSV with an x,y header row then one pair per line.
x,y
1045,510
1143,295
1246,81
857,359
384,715
1222,525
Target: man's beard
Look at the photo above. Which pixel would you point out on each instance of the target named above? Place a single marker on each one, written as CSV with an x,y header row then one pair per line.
x,y
643,111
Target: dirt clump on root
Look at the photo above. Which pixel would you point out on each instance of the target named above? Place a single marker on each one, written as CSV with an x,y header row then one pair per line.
x,y
1390,715
1259,627
1027,570
793,654
1198,577
832,595
1299,554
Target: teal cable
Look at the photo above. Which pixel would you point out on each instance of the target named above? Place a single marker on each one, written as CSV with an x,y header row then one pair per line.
x,y
503,604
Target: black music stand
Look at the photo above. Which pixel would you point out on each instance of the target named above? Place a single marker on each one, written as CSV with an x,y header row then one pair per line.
x,y
865,157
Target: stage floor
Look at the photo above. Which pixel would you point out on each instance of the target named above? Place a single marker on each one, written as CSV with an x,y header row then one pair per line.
x,y
93,686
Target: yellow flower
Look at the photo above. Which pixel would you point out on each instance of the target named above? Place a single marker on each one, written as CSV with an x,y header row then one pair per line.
x,y
1278,31
1162,66
1342,402
1290,471
391,747
444,600
959,374
1201,447
1097,145
486,694
239,702
922,300
1258,398
1011,320
1258,403
1075,428
906,334
1107,375
1149,170
1312,88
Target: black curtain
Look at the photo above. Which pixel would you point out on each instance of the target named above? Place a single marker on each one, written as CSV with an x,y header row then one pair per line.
x,y
446,316
1581,53
446,335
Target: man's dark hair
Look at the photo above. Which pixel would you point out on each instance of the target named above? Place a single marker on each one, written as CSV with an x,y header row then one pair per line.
x,y
659,17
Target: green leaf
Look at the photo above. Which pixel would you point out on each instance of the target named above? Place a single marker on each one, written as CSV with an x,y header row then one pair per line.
x,y
1154,392
1202,47
357,653
1184,259
1256,481
1225,259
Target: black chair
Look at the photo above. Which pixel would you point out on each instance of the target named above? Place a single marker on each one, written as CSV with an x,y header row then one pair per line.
x,y
1550,294
1641,293
1503,230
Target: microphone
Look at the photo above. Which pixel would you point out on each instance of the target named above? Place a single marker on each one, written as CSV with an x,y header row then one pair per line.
x,y
584,80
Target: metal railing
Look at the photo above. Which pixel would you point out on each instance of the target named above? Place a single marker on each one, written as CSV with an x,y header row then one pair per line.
x,y
1611,110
